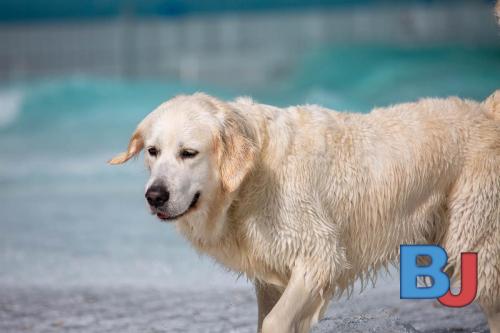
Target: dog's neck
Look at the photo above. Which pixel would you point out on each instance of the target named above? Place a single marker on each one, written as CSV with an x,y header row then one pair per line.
x,y
226,237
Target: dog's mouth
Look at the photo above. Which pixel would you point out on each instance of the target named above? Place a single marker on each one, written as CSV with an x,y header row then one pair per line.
x,y
165,217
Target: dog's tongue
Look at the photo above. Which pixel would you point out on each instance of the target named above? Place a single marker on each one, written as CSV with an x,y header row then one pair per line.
x,y
162,216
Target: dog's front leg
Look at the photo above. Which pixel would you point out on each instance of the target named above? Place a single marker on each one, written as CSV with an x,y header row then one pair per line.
x,y
267,296
299,306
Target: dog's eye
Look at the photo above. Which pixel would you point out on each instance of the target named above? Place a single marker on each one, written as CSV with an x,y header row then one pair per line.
x,y
188,153
153,151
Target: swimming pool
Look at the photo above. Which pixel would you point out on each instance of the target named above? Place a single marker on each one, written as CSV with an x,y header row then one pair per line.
x,y
67,218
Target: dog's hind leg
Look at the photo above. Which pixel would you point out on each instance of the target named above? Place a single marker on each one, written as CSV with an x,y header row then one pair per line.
x,y
493,319
474,226
489,296
489,284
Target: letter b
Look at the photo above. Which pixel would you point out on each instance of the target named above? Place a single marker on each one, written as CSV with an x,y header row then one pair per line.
x,y
410,271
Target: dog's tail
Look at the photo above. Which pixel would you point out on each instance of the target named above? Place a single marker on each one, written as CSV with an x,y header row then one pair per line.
x,y
497,11
492,105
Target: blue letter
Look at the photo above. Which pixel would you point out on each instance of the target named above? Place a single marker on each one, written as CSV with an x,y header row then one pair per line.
x,y
409,271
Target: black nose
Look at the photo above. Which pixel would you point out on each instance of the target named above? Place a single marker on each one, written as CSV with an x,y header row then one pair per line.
x,y
157,195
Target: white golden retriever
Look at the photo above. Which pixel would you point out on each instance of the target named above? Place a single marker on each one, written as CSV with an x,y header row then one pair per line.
x,y
305,200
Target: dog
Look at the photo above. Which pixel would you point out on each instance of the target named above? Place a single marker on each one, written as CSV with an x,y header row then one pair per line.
x,y
305,200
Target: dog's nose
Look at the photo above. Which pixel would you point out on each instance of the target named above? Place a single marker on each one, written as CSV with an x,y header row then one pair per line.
x,y
157,196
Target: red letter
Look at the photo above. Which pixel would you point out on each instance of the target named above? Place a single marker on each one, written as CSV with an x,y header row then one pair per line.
x,y
468,283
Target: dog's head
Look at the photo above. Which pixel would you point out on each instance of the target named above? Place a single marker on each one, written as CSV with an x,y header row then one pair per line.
x,y
198,150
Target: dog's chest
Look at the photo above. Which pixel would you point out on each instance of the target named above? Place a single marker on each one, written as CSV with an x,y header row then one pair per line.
x,y
253,258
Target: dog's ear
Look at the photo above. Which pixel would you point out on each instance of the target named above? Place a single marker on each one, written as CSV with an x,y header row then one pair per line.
x,y
135,145
238,151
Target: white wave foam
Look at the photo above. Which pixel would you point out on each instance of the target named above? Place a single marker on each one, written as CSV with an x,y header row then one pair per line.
x,y
10,106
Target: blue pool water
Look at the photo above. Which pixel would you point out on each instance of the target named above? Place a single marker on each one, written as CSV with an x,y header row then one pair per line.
x,y
67,218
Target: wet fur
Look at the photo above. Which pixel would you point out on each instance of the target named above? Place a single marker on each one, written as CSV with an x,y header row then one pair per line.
x,y
332,196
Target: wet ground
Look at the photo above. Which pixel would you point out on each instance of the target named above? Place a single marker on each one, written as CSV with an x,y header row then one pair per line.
x,y
231,310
